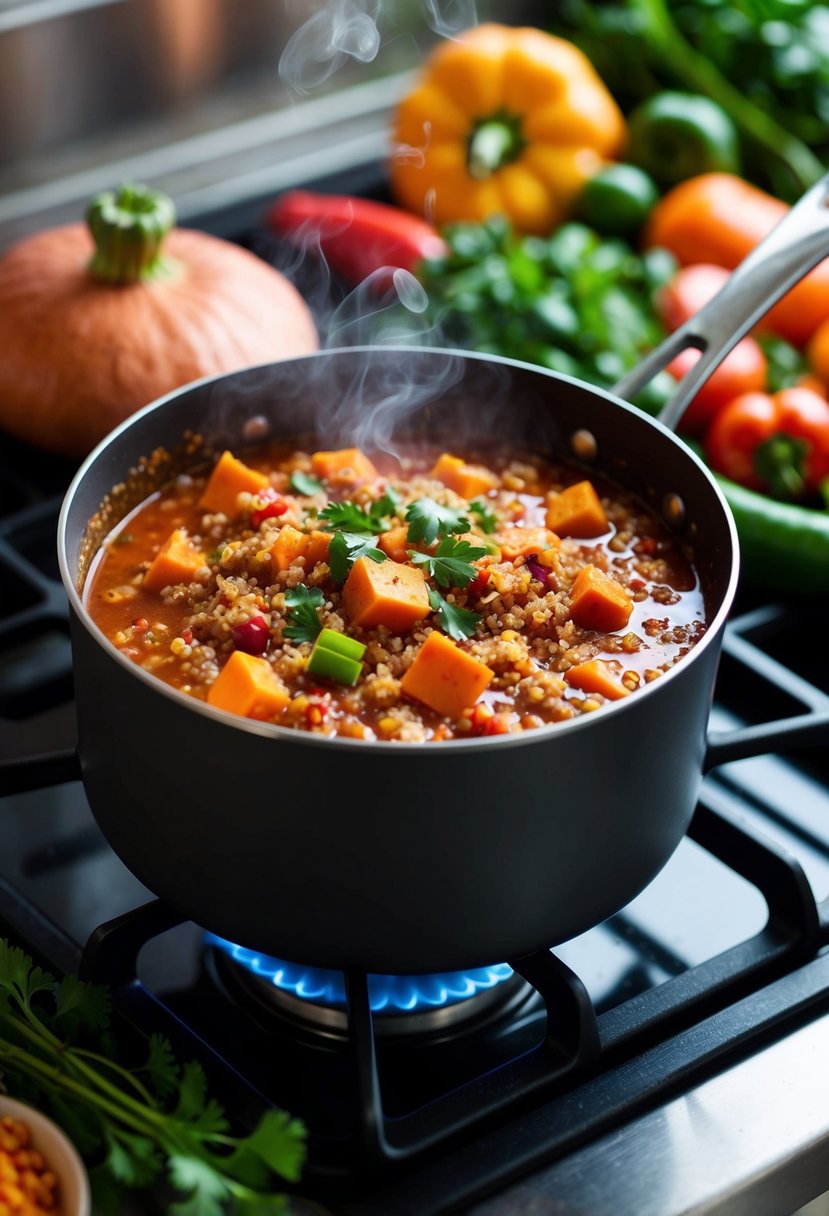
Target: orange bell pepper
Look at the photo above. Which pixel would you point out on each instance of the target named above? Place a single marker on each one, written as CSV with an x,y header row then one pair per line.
x,y
503,120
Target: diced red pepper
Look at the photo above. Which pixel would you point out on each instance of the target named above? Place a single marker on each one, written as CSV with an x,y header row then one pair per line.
x,y
267,505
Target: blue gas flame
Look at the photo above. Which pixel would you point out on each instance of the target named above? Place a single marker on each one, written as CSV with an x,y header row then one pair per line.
x,y
387,993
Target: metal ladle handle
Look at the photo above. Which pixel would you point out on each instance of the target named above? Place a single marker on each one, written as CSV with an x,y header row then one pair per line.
x,y
793,247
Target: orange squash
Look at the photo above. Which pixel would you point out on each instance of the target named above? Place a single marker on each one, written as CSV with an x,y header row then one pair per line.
x,y
96,321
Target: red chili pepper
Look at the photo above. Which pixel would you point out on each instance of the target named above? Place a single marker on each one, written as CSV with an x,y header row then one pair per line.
x,y
776,443
251,636
356,236
267,504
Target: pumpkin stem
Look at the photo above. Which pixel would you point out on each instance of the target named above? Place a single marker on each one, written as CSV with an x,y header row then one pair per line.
x,y
494,142
129,227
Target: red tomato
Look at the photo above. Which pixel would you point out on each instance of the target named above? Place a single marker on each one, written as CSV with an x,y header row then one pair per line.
x,y
743,370
752,420
688,291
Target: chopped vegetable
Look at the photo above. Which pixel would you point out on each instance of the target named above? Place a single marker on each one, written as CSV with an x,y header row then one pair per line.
x,y
487,520
385,593
597,601
674,136
515,542
358,237
777,443
444,677
576,511
251,636
230,478
395,543
177,561
720,218
142,1124
266,504
465,479
291,544
346,548
451,563
248,686
336,656
598,676
344,467
303,604
505,120
28,1184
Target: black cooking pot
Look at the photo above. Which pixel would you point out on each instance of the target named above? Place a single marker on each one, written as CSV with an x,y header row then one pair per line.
x,y
394,857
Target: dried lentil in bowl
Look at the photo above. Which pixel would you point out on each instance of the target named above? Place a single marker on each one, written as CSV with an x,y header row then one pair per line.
x,y
434,596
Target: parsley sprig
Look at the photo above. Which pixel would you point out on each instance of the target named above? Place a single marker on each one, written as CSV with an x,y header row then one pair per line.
x,y
349,516
302,603
487,520
344,550
451,563
139,1124
459,623
304,483
429,519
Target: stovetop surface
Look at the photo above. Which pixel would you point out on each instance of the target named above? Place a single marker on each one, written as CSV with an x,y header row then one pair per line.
x,y
723,951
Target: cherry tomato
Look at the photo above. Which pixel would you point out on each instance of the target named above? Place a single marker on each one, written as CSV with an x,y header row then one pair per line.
x,y
743,370
776,443
688,291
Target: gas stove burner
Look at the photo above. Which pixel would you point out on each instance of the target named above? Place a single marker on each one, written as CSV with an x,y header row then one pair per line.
x,y
402,1005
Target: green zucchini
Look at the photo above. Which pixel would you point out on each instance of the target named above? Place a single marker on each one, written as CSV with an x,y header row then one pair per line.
x,y
783,547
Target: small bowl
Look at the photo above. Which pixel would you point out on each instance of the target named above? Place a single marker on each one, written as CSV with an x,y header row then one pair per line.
x,y
59,1153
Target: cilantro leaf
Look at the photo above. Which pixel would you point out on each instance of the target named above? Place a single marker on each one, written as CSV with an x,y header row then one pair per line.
x,y
459,623
348,517
486,519
389,504
304,483
450,564
429,519
302,603
116,1121
344,550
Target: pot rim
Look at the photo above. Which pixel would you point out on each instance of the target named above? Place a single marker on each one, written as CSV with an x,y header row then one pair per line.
x,y
452,746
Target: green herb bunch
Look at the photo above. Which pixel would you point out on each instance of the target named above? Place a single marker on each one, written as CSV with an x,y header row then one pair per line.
x,y
574,302
138,1125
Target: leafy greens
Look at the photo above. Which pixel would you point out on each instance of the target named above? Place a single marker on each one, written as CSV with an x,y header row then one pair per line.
x,y
139,1124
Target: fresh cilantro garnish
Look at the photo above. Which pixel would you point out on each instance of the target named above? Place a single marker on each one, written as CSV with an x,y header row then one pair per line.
x,y
304,483
486,519
349,517
459,623
450,564
302,603
428,520
389,504
344,550
147,1122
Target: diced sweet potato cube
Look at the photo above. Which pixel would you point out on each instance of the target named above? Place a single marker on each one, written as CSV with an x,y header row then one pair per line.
x,y
385,593
249,686
468,480
344,467
597,601
597,676
177,561
290,544
230,477
576,511
515,542
444,677
394,543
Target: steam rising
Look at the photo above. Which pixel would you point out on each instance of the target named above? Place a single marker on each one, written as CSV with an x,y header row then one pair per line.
x,y
346,30
343,30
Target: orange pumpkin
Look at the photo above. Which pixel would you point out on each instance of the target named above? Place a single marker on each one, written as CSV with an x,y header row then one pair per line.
x,y
97,321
